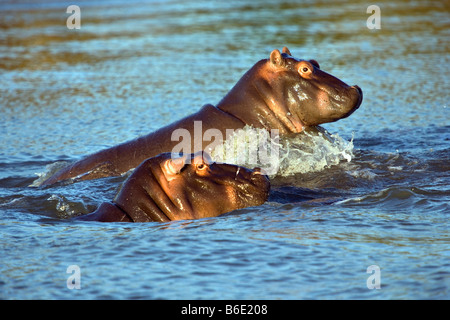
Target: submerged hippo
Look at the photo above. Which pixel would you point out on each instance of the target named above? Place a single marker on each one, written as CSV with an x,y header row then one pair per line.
x,y
163,188
282,92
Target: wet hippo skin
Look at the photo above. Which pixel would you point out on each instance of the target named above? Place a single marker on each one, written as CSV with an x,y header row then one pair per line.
x,y
164,188
281,92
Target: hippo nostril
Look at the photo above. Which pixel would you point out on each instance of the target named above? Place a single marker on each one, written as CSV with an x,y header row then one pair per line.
x,y
357,88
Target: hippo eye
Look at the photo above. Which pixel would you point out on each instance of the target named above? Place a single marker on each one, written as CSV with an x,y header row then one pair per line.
x,y
202,166
305,69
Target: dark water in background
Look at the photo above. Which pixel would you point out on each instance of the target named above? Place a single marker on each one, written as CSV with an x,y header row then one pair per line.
x,y
135,66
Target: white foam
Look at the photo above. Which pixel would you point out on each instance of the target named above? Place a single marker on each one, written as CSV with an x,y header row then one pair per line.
x,y
49,170
308,151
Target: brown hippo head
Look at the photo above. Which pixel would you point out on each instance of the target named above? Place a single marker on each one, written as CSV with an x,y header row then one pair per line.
x,y
165,188
288,94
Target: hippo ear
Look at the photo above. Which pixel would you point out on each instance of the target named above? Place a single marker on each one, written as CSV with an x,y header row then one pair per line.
x,y
173,167
286,50
276,58
315,63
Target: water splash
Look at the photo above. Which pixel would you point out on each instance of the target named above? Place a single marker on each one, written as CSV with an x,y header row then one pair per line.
x,y
250,147
309,151
313,151
66,208
49,170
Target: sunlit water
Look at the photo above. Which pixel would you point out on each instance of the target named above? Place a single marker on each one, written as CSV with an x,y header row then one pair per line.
x,y
372,189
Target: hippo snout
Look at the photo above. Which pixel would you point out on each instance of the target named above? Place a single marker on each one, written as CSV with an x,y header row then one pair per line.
x,y
358,99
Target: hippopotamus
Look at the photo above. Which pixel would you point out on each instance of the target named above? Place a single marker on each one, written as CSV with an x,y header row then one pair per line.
x,y
168,187
279,93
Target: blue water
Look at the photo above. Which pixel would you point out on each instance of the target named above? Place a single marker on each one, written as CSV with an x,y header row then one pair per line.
x,y
135,66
